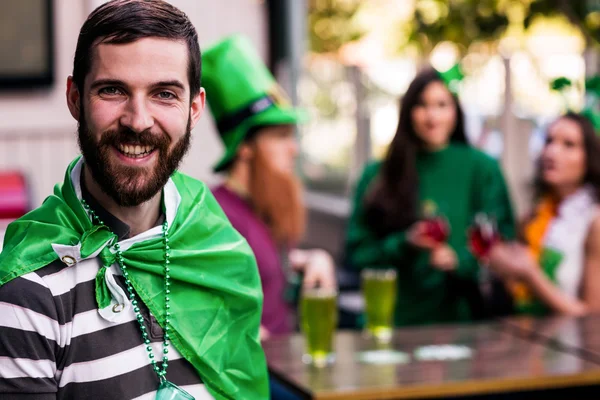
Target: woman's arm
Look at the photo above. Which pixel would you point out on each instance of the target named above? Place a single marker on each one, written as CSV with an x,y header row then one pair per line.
x,y
491,197
552,295
590,285
513,261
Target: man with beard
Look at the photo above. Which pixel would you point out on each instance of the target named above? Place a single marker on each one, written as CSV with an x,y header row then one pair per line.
x,y
129,282
261,195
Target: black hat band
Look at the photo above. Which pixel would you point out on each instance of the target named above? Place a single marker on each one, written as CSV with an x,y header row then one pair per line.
x,y
232,121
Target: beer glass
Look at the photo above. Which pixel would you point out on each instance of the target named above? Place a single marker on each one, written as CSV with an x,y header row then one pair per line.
x,y
379,289
318,315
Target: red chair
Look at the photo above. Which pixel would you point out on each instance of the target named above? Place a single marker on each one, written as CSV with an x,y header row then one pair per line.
x,y
14,196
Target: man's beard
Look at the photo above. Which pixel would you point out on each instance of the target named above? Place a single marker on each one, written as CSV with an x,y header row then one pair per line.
x,y
277,199
130,186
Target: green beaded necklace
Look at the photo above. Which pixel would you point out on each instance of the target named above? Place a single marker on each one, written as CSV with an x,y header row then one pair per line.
x,y
120,261
165,386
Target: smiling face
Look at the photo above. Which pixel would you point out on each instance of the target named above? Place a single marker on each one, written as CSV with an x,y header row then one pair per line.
x,y
135,116
434,117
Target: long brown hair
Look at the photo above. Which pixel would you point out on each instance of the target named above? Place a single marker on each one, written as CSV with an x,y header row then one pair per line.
x,y
391,202
591,146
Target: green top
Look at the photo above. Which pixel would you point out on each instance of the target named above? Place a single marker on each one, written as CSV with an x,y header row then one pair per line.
x,y
460,181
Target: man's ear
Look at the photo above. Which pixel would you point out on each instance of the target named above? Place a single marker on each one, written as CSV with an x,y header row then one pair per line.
x,y
245,152
73,98
197,107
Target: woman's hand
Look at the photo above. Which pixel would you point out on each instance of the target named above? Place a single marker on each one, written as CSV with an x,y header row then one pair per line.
x,y
511,261
418,237
444,258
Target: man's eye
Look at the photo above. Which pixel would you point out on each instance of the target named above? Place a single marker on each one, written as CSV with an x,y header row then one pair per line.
x,y
166,95
110,90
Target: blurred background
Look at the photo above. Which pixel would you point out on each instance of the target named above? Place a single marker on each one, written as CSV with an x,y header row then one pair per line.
x,y
356,58
346,61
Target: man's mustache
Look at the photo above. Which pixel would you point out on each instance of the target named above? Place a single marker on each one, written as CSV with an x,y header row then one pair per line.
x,y
127,136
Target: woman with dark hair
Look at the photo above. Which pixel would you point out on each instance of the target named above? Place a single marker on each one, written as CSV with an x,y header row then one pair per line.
x,y
556,268
429,167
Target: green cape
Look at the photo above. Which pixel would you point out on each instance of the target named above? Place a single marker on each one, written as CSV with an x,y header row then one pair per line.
x,y
216,295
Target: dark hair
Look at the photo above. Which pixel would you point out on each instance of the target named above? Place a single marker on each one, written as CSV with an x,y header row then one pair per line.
x,y
391,202
125,21
591,146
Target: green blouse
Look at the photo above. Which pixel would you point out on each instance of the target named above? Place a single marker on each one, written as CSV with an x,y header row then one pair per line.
x,y
460,181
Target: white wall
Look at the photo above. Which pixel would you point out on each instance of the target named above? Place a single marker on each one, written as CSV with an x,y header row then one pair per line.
x,y
37,133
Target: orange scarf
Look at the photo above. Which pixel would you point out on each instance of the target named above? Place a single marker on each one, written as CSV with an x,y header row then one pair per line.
x,y
534,233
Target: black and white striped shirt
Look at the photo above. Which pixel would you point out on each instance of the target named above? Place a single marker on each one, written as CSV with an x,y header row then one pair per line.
x,y
54,344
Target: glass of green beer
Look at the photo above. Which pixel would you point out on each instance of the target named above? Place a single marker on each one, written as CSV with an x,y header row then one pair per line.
x,y
318,315
379,291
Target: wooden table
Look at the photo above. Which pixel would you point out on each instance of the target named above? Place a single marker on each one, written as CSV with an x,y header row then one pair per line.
x,y
580,336
501,362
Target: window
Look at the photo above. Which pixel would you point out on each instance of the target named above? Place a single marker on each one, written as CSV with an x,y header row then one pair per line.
x,y
328,92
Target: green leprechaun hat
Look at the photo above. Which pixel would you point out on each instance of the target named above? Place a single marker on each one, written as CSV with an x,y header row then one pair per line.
x,y
241,94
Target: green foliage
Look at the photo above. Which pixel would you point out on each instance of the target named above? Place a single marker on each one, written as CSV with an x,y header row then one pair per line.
x,y
585,14
458,21
331,24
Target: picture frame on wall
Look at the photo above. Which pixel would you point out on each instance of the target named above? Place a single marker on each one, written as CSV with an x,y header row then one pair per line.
x,y
27,48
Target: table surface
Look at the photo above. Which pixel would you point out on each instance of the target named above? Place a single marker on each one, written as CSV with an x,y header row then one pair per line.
x,y
500,362
580,336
